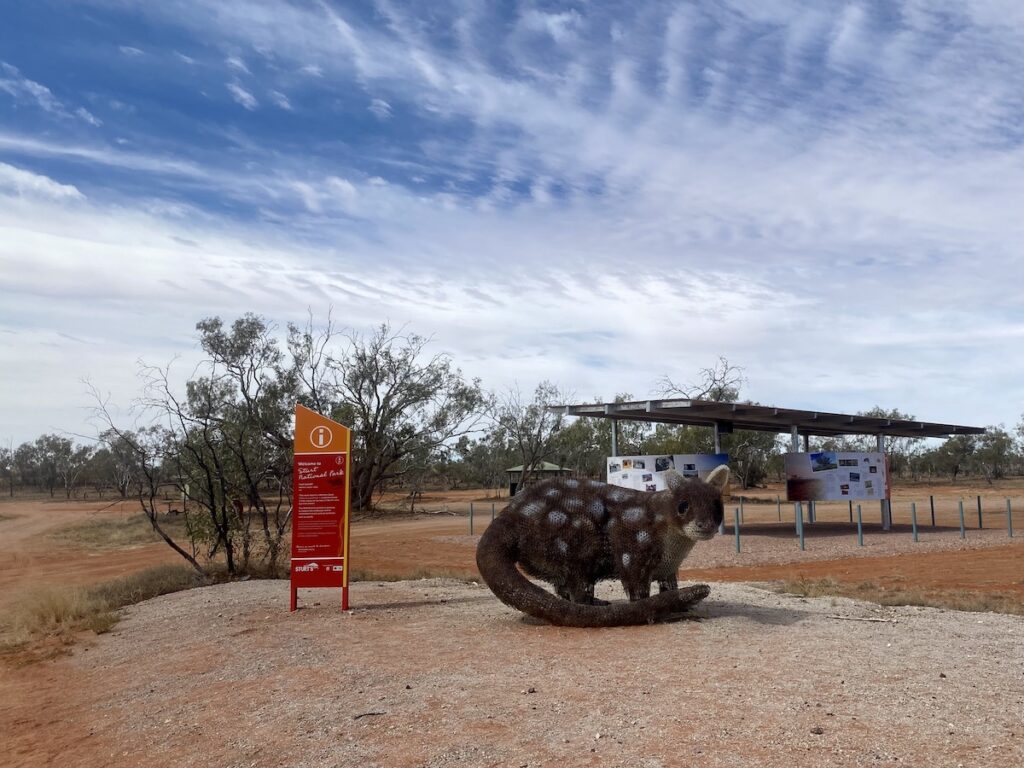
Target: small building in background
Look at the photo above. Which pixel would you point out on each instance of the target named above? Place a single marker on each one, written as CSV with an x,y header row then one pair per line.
x,y
545,471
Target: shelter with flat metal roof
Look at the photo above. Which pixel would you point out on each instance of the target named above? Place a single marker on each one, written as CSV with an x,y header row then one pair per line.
x,y
728,416
723,418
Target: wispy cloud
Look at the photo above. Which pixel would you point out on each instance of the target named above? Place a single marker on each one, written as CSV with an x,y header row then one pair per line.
x,y
280,100
562,27
26,183
24,89
242,96
236,63
380,108
129,50
88,117
102,156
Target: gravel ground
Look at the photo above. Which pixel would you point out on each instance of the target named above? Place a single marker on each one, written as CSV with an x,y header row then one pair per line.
x,y
439,673
767,544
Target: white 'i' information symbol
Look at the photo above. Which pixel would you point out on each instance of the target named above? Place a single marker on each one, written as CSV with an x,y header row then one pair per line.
x,y
321,437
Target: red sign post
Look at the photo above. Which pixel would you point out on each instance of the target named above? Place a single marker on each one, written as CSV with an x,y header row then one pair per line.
x,y
320,483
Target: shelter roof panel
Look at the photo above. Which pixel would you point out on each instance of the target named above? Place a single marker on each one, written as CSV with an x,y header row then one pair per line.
x,y
764,418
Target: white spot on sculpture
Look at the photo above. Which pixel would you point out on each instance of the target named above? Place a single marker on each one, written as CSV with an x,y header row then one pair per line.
x,y
562,546
618,494
553,493
595,509
643,537
572,483
531,509
626,558
557,518
633,514
572,503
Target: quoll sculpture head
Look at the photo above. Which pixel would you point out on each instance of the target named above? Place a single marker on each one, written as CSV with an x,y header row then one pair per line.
x,y
697,504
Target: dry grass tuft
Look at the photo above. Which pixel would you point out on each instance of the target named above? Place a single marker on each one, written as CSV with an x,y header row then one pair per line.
x,y
957,600
115,532
46,618
146,584
50,610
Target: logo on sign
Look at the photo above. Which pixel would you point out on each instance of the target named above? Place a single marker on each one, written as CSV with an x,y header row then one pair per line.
x,y
307,568
321,437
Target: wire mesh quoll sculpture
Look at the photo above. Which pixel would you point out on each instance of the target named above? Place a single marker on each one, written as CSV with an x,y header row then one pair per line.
x,y
574,533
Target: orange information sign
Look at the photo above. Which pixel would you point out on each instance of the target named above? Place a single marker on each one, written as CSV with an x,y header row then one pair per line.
x,y
320,504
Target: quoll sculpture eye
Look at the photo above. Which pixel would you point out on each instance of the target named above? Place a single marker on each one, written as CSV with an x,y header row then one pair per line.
x,y
683,506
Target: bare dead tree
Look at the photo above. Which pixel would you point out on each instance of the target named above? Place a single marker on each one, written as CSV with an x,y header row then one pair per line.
x,y
311,355
719,383
150,447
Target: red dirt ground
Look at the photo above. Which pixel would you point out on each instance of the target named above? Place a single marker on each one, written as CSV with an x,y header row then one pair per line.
x,y
440,543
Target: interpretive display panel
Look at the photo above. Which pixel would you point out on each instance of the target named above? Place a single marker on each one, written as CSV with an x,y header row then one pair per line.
x,y
647,473
836,476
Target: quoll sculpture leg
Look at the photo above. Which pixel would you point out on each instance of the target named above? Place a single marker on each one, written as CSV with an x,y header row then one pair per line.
x,y
637,590
669,584
581,592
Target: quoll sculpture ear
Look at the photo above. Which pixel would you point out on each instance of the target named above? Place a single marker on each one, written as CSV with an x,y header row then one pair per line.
x,y
674,480
719,478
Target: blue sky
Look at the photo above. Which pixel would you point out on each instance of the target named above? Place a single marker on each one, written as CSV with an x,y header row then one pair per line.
x,y
829,194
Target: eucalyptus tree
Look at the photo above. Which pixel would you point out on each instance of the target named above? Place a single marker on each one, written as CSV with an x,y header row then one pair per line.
x,y
530,427
995,454
407,406
7,466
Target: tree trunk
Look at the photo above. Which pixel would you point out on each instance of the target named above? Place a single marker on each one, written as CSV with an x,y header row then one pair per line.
x,y
150,511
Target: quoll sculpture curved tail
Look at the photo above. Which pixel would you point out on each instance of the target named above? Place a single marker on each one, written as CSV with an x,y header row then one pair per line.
x,y
574,533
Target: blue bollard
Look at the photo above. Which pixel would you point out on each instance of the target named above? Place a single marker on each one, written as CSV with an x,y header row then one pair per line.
x,y
913,517
963,533
860,528
1009,519
471,518
736,527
